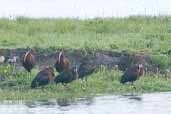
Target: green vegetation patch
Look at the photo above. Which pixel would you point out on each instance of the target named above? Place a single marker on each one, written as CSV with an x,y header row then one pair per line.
x,y
17,86
136,33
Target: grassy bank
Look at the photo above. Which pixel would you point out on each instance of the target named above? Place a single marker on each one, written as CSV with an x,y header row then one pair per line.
x,y
17,86
136,33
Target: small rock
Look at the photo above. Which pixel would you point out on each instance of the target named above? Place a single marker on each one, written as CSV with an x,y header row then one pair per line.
x,y
13,60
116,67
2,59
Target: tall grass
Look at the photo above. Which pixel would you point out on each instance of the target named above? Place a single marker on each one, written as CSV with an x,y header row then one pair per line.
x,y
135,33
17,86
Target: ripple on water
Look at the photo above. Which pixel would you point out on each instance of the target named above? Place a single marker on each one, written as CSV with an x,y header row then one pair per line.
x,y
153,103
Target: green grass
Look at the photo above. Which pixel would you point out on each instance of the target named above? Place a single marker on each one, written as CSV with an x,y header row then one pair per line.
x,y
151,35
17,86
136,33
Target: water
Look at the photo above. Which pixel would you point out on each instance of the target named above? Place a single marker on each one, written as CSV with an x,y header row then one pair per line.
x,y
83,8
154,103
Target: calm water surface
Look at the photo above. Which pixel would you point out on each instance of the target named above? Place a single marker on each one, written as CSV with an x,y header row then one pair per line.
x,y
153,103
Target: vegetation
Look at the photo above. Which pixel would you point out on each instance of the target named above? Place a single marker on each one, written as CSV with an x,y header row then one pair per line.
x,y
150,35
17,86
136,33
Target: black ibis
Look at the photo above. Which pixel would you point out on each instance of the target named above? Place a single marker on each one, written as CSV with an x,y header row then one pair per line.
x,y
67,76
43,77
132,74
86,68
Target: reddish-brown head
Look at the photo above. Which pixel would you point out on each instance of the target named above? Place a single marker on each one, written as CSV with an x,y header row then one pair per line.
x,y
50,70
140,69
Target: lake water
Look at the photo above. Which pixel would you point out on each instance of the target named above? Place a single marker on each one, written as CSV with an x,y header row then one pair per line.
x,y
83,8
154,103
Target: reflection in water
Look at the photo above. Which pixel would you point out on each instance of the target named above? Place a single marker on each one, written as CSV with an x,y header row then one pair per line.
x,y
136,98
63,102
67,102
133,97
154,103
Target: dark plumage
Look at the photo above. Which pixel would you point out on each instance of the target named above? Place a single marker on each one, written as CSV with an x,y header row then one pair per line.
x,y
43,77
62,62
85,69
67,76
29,61
132,74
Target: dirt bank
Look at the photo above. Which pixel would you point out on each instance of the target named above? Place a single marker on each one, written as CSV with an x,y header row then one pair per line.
x,y
109,59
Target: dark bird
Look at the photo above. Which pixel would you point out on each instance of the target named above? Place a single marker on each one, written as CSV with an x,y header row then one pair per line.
x,y
29,61
86,68
132,74
62,62
43,77
67,76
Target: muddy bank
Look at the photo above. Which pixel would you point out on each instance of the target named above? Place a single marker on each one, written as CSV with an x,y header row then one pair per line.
x,y
109,59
